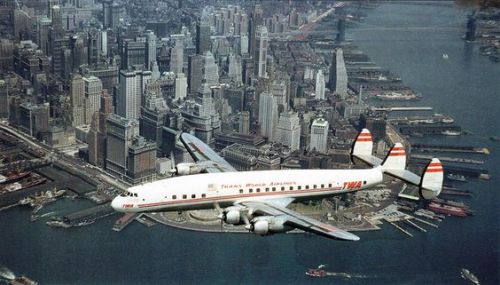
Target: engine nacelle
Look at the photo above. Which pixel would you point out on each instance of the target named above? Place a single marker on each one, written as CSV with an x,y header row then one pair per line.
x,y
187,168
267,225
232,217
261,227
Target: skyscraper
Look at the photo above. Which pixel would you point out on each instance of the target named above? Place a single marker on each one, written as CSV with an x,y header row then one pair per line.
x,y
234,71
288,130
195,72
210,70
150,49
93,91
244,123
152,119
260,54
338,74
177,56
120,132
268,115
77,99
319,135
180,86
131,87
202,37
4,100
97,137
320,85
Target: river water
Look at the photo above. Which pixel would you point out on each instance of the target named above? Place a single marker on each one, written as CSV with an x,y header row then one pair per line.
x,y
465,86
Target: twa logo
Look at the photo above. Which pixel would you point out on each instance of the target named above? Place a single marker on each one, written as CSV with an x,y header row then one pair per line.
x,y
126,206
350,185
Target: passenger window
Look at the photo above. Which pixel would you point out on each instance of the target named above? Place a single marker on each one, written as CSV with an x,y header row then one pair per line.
x,y
307,186
250,190
322,185
241,191
299,187
291,188
282,188
174,197
258,190
267,189
364,182
314,186
193,196
274,189
184,196
203,195
330,185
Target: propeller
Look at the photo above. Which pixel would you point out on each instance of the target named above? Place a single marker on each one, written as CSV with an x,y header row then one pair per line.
x,y
173,169
221,216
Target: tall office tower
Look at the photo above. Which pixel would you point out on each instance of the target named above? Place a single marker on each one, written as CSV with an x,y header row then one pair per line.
x,y
6,54
234,71
319,135
177,56
56,18
97,138
77,101
256,21
244,44
107,73
279,91
202,37
121,133
141,160
338,74
244,123
268,115
93,46
107,14
150,49
210,70
43,28
180,86
4,100
195,72
340,31
131,87
319,89
93,91
116,11
260,54
103,47
152,119
288,130
134,52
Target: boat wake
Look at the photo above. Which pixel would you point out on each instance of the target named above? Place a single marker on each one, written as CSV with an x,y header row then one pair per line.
x,y
6,273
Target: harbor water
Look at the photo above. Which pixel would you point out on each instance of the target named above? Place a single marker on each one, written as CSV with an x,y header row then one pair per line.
x,y
465,86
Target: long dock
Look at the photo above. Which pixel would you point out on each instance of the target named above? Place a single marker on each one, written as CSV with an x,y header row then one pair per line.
x,y
401,229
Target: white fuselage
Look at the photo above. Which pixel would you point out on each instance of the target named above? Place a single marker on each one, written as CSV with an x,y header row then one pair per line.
x,y
202,191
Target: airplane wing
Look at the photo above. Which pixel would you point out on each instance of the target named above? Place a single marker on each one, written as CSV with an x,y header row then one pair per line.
x,y
296,220
204,155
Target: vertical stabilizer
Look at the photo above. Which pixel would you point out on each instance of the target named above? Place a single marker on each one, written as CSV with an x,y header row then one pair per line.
x,y
432,180
396,158
363,145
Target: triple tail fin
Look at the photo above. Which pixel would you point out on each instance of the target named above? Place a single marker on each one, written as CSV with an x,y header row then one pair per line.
x,y
396,158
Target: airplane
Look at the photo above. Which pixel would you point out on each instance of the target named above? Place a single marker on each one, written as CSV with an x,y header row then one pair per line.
x,y
259,199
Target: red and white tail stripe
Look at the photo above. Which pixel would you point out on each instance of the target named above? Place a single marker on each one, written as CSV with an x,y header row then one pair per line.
x,y
397,150
432,180
364,136
363,144
396,158
434,166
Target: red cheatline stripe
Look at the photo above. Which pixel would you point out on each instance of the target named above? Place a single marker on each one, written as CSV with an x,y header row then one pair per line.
x,y
434,170
364,140
397,154
398,148
435,164
365,135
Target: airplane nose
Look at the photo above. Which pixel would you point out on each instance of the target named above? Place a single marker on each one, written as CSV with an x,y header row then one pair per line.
x,y
115,204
